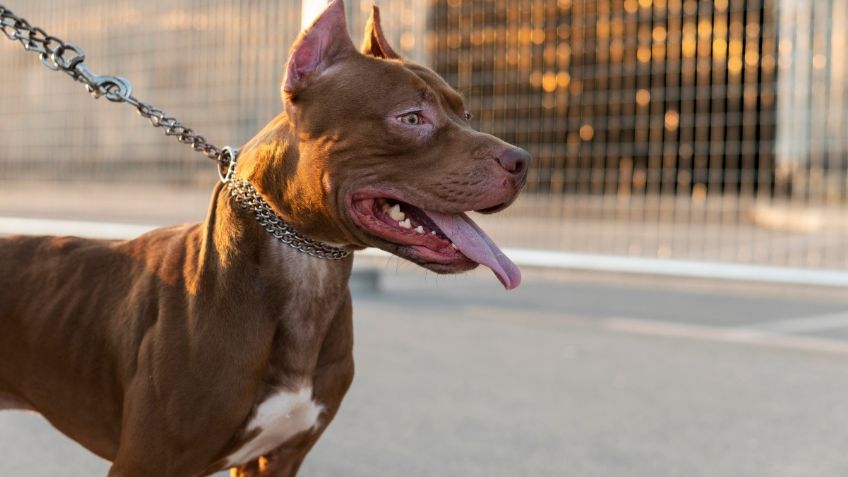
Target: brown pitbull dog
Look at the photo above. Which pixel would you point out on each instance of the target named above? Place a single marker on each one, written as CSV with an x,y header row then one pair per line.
x,y
219,345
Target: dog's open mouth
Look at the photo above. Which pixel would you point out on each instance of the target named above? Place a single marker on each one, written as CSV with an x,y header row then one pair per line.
x,y
442,242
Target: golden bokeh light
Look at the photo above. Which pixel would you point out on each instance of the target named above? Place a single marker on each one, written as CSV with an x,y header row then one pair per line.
x,y
538,36
719,49
525,35
407,41
536,79
549,82
563,52
688,46
643,97
734,65
563,79
752,58
699,193
705,28
672,120
735,47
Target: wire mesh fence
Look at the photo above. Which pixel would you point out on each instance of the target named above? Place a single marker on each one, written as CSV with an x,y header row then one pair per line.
x,y
705,130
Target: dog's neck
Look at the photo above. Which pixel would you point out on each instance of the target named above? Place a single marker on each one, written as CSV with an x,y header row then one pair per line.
x,y
250,199
271,163
238,242
295,189
233,234
238,258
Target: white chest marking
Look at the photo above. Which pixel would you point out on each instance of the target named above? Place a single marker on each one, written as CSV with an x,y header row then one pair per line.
x,y
279,418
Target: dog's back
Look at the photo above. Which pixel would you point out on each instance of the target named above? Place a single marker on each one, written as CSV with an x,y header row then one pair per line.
x,y
53,289
45,290
37,270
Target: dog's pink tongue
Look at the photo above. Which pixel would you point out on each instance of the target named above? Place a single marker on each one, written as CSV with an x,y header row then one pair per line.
x,y
470,239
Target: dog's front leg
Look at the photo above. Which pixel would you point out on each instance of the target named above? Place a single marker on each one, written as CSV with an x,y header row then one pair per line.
x,y
286,460
332,380
278,463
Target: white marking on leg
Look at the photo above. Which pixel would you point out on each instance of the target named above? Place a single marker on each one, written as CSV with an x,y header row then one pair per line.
x,y
279,418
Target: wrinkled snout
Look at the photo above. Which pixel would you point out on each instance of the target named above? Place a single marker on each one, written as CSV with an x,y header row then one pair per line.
x,y
511,176
515,161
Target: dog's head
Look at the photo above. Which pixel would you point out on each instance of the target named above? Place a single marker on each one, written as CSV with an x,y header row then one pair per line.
x,y
387,156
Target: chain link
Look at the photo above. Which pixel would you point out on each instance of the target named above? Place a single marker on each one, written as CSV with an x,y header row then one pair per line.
x,y
249,199
70,59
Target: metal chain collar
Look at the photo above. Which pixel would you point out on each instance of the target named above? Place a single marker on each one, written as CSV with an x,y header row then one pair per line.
x,y
69,58
249,199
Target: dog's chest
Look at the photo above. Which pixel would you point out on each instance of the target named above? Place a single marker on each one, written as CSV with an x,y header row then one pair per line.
x,y
312,285
312,288
278,418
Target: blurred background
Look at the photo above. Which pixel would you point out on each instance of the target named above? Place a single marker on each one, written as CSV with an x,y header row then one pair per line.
x,y
698,138
702,130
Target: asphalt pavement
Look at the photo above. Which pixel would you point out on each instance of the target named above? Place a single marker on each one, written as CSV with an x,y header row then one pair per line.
x,y
572,375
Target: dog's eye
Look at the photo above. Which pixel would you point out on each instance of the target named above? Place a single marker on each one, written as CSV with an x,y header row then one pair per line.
x,y
411,119
468,116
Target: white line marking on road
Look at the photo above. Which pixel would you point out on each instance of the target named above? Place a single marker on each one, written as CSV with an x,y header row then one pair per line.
x,y
667,267
636,326
808,324
742,336
522,257
685,268
26,226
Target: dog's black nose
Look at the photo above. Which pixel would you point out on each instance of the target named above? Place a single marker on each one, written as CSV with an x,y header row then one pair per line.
x,y
515,160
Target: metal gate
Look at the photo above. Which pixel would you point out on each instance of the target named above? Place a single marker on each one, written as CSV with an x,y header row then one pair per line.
x,y
698,130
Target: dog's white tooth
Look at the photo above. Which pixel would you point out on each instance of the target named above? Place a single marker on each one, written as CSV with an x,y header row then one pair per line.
x,y
419,229
405,224
395,213
432,232
454,246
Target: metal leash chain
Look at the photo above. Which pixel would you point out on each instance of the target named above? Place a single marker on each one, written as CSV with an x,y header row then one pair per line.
x,y
69,58
249,199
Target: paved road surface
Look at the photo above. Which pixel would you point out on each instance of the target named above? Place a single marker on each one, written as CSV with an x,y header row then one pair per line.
x,y
573,377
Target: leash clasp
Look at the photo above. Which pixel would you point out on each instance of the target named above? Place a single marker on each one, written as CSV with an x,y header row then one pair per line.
x,y
227,164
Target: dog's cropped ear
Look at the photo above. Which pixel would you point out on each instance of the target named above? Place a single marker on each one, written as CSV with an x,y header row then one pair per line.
x,y
375,43
318,47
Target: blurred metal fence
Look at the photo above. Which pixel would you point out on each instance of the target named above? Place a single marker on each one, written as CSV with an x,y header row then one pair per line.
x,y
704,130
